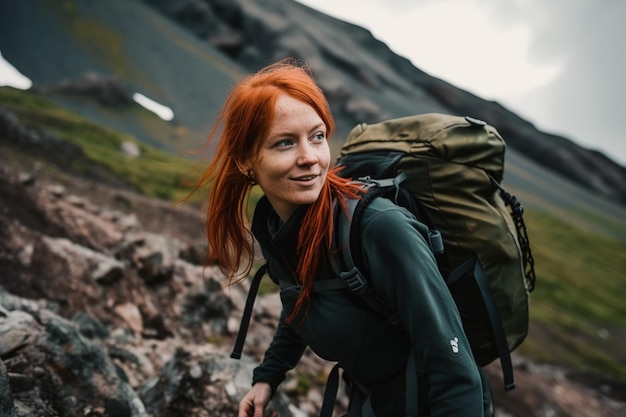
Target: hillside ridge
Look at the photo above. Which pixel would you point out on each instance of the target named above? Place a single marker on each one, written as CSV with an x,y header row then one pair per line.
x,y
187,54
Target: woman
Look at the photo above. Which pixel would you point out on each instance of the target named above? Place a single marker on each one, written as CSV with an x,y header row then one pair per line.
x,y
273,131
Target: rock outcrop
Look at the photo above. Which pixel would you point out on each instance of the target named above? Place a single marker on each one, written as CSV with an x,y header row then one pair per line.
x,y
105,90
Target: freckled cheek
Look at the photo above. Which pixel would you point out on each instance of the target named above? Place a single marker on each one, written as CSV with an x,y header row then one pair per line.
x,y
273,174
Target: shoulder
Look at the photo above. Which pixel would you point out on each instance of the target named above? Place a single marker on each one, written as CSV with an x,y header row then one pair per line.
x,y
383,210
384,217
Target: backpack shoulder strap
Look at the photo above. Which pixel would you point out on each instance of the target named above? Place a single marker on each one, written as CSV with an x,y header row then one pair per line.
x,y
247,311
347,236
346,255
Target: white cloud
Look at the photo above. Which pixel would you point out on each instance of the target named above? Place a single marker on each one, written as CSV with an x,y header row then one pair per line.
x,y
455,40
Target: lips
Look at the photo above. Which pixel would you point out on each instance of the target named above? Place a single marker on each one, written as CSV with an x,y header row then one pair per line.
x,y
305,178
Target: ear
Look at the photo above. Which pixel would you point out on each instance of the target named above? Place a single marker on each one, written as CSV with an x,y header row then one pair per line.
x,y
244,167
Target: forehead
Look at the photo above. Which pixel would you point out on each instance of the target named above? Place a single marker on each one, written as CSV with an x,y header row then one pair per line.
x,y
289,105
291,112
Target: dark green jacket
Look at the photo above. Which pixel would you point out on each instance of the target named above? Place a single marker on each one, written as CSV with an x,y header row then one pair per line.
x,y
338,326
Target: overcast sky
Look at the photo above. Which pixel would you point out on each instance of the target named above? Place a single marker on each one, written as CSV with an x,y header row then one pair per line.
x,y
561,64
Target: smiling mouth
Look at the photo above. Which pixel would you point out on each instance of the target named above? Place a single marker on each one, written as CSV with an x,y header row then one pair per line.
x,y
305,178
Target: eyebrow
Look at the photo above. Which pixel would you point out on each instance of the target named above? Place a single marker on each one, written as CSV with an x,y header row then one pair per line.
x,y
289,133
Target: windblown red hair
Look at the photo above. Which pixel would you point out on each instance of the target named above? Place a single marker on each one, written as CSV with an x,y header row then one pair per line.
x,y
242,125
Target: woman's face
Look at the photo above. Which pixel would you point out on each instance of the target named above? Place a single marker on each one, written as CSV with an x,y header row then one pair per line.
x,y
294,158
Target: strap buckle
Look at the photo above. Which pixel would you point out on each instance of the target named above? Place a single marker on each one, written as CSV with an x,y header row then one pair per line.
x,y
354,280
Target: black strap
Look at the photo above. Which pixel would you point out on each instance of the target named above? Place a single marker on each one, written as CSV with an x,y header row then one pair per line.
x,y
517,214
330,392
247,312
366,410
473,265
347,245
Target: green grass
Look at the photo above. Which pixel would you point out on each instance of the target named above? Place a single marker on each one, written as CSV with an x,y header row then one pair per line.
x,y
581,288
579,271
154,173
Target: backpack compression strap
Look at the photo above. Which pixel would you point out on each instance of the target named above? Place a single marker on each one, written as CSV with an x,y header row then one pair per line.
x,y
517,214
473,266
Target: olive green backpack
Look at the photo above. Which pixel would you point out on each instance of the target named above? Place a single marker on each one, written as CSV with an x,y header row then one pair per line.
x,y
447,170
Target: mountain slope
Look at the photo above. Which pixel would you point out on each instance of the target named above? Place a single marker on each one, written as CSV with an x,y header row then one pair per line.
x,y
54,44
186,55
76,238
367,82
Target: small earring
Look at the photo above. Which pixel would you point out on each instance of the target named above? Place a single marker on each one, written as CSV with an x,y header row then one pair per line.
x,y
251,179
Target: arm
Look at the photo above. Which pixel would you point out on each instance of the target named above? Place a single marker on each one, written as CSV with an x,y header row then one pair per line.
x,y
404,271
283,354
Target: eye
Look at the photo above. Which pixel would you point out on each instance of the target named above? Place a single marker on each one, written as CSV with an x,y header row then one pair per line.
x,y
319,137
283,143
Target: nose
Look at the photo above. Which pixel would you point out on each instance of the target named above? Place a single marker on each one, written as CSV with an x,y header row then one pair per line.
x,y
306,154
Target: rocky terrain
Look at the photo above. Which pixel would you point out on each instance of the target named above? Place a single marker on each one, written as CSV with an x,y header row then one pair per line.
x,y
107,310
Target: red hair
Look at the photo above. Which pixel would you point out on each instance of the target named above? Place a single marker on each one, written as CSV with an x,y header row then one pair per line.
x,y
243,124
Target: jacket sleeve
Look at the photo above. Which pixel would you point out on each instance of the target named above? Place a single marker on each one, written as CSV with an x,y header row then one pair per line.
x,y
283,354
405,273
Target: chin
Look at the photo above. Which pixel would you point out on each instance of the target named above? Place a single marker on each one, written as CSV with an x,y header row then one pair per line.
x,y
308,198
